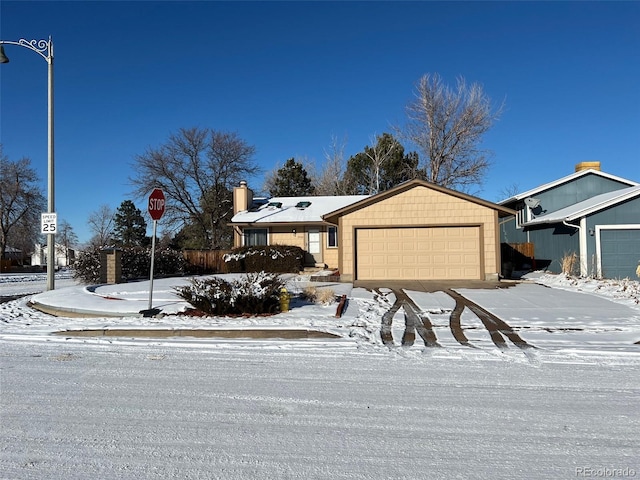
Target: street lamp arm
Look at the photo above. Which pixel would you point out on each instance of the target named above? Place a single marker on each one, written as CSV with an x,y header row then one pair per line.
x,y
44,48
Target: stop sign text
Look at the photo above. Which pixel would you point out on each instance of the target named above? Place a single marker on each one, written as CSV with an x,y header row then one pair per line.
x,y
156,204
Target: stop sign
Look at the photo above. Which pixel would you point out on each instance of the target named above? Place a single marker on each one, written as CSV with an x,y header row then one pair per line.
x,y
156,204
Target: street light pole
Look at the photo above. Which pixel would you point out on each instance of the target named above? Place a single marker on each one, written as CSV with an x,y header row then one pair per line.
x,y
44,48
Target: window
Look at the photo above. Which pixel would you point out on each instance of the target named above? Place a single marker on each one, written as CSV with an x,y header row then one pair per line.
x,y
332,237
254,237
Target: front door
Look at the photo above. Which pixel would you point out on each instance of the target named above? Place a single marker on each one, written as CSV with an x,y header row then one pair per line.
x,y
314,247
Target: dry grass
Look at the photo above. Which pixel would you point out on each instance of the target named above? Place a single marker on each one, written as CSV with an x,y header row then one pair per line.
x,y
570,262
326,296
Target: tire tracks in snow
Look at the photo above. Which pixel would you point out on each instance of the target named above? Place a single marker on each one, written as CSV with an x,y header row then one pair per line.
x,y
497,328
416,321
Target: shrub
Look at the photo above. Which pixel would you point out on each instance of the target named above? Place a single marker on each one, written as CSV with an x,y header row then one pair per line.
x,y
253,294
136,263
87,266
271,258
169,262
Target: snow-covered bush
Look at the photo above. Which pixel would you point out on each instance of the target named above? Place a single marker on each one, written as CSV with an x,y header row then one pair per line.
x,y
270,258
253,294
135,262
87,266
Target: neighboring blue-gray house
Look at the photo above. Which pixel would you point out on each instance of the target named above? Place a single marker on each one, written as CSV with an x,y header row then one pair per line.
x,y
590,213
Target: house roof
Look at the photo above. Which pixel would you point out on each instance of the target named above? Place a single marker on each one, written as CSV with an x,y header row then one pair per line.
x,y
288,212
563,180
332,217
587,207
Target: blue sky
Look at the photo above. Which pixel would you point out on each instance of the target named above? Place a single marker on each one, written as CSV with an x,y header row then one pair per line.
x,y
289,76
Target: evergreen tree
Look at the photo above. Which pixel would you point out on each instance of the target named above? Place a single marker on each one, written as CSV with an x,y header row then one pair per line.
x,y
380,167
130,228
292,180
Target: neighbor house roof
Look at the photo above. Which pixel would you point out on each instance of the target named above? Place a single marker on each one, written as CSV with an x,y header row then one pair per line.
x,y
587,207
563,180
286,210
332,217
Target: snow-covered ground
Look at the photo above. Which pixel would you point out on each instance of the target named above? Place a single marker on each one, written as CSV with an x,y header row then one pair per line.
x,y
25,284
352,407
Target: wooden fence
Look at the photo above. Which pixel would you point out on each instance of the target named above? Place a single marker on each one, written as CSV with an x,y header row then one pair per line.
x,y
206,261
518,254
524,249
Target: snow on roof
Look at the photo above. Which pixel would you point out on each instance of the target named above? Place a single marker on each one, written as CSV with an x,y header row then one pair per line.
x,y
289,213
586,207
562,180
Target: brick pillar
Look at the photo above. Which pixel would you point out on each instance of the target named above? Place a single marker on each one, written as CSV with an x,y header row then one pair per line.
x,y
111,266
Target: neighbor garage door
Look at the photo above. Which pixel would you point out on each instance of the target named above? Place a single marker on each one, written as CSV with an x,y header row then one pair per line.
x,y
620,250
412,253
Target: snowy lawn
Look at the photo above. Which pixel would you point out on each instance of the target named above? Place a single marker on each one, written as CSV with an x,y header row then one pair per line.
x,y
193,408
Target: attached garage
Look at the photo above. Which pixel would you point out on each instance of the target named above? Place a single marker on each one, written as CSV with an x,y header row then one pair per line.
x,y
419,231
418,253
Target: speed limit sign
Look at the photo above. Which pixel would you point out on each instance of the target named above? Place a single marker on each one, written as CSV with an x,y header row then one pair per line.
x,y
48,223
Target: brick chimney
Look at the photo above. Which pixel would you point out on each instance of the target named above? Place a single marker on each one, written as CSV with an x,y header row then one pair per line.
x,y
595,165
242,198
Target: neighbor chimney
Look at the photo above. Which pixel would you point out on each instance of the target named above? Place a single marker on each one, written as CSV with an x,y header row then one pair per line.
x,y
595,165
242,197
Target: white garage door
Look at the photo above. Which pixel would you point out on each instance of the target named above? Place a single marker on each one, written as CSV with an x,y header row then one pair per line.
x,y
418,253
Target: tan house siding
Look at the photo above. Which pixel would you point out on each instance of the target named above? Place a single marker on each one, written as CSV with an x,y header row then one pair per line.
x,y
330,254
285,236
421,206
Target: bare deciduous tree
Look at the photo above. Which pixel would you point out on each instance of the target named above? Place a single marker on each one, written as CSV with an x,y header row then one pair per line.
x,y
197,170
67,239
447,126
101,225
21,201
368,172
329,180
378,156
379,167
24,237
508,191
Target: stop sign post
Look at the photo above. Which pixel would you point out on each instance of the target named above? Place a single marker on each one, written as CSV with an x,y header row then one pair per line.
x,y
156,210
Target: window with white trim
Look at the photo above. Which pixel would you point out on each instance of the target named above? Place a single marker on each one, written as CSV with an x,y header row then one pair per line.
x,y
332,237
